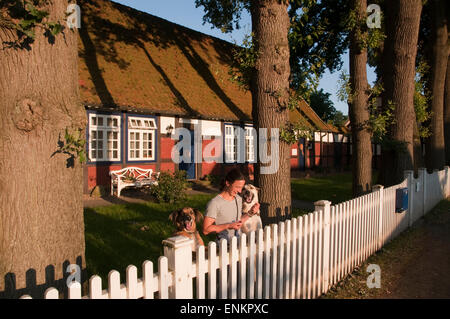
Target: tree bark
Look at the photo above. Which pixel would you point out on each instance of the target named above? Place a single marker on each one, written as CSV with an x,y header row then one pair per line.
x,y
41,222
417,148
447,113
402,29
358,107
436,149
270,97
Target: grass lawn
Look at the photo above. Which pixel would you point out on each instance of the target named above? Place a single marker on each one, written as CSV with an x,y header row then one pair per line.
x,y
336,188
114,238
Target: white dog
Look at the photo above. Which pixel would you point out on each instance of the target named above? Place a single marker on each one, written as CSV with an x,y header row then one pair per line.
x,y
250,198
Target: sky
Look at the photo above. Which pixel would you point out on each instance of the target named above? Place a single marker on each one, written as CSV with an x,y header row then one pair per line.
x,y
185,13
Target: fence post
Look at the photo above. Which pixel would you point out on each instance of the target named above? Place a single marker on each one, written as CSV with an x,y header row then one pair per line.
x,y
409,175
423,172
179,255
324,207
379,188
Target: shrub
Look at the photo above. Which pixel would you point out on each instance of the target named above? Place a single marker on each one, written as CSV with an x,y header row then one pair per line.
x,y
214,180
171,187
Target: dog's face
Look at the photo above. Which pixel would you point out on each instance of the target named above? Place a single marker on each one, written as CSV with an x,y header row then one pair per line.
x,y
249,193
186,219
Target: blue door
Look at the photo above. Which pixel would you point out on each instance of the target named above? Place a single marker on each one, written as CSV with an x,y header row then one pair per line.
x,y
189,167
301,154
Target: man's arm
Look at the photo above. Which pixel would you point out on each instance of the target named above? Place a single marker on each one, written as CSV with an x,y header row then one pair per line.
x,y
210,227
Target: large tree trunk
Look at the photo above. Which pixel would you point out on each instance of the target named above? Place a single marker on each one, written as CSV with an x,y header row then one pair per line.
x,y
358,107
447,113
270,92
402,29
436,148
41,222
417,148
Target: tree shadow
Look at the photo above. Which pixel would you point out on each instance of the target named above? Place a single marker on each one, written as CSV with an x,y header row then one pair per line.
x,y
201,66
89,55
35,290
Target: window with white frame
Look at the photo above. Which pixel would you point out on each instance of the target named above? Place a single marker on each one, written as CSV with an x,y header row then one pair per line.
x,y
232,139
249,144
231,143
141,138
104,137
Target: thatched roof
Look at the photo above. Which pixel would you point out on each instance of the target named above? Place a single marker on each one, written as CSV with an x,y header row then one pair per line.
x,y
133,61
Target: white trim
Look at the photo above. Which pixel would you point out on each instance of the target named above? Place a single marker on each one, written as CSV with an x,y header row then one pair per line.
x,y
140,149
188,121
104,138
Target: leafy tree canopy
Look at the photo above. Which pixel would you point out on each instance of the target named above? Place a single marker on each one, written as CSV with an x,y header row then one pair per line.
x,y
317,35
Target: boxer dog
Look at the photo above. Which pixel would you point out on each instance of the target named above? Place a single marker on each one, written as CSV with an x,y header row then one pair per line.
x,y
185,221
250,198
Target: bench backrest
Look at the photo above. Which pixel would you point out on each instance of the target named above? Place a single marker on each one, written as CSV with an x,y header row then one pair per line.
x,y
134,172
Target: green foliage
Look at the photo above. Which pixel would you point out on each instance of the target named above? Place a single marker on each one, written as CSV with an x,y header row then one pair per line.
x,y
290,133
171,187
26,17
223,14
380,120
317,39
74,145
321,104
244,60
214,180
344,92
422,99
338,119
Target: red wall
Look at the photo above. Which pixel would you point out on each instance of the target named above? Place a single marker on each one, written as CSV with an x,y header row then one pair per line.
x,y
166,147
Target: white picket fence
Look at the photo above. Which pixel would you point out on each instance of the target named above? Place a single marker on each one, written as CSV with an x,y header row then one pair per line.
x,y
298,258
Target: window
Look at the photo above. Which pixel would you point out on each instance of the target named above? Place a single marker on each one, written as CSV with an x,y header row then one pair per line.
x,y
231,142
232,138
104,137
249,144
141,138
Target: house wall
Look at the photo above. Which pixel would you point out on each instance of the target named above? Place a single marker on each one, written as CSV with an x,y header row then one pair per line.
x,y
97,173
326,150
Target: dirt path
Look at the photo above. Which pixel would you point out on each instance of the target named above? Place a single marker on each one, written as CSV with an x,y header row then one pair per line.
x,y
414,265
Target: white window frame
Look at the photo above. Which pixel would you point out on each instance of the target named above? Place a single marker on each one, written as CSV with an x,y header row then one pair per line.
x,y
232,143
102,129
141,126
249,145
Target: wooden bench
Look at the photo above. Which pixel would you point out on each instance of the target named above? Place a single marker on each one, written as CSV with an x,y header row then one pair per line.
x,y
132,177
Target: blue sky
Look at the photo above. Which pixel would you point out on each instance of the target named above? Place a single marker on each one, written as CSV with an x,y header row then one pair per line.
x,y
185,13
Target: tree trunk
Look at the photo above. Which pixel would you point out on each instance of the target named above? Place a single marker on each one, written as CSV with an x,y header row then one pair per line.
x,y
436,154
358,107
417,148
447,113
402,30
270,94
41,222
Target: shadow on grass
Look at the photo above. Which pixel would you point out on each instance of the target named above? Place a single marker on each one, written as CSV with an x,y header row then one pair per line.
x,y
121,235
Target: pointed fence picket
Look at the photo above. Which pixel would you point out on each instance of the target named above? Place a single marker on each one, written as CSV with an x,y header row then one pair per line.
x,y
299,258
